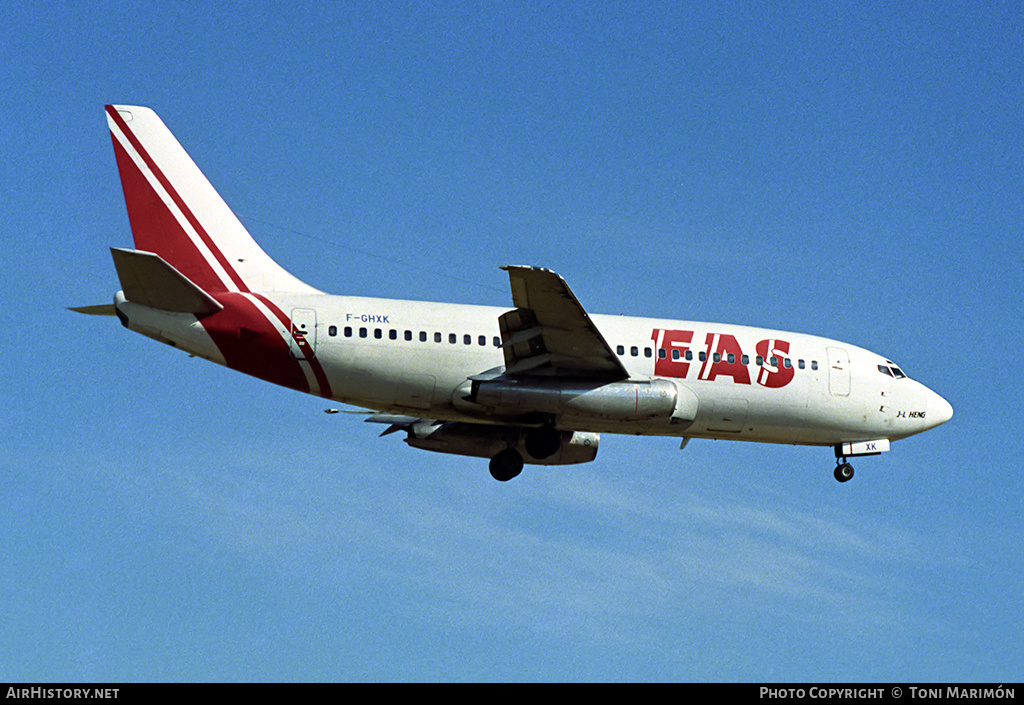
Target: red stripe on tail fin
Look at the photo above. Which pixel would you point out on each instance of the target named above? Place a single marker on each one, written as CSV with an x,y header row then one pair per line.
x,y
156,229
176,213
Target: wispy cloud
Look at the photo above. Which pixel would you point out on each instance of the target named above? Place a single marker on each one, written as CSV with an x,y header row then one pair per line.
x,y
562,554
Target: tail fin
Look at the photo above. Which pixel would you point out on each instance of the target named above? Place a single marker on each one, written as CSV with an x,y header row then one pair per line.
x,y
175,213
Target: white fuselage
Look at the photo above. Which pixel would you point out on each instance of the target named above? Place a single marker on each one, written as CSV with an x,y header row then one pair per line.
x,y
414,358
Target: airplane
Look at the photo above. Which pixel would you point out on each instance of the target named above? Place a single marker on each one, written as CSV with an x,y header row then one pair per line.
x,y
534,383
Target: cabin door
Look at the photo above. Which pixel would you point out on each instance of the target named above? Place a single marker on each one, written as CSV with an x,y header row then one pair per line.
x,y
303,340
838,372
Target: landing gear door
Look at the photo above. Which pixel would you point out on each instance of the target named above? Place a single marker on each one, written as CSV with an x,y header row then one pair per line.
x,y
838,372
303,338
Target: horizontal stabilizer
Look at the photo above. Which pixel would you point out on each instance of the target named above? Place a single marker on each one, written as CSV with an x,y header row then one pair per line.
x,y
394,419
101,310
148,280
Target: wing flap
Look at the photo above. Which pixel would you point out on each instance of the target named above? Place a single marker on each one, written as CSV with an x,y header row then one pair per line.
x,y
550,333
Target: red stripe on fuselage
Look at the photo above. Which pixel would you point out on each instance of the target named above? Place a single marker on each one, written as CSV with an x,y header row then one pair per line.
x,y
252,344
318,369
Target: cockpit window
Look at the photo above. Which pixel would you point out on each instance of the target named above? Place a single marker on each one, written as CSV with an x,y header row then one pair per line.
x,y
891,370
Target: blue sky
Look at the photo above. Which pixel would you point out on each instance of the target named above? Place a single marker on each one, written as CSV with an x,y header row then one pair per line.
x,y
847,170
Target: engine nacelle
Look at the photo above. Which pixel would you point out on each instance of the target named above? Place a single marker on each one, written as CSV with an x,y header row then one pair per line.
x,y
630,400
487,441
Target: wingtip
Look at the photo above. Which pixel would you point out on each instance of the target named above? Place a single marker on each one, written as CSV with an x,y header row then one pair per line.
x,y
525,267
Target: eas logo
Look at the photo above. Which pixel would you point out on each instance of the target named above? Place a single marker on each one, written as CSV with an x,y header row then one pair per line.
x,y
721,357
773,373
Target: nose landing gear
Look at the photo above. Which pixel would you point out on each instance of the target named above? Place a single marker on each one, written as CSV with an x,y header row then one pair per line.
x,y
844,471
856,449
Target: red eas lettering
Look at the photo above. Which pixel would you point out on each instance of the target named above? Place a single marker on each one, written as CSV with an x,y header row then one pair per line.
x,y
675,343
723,356
773,373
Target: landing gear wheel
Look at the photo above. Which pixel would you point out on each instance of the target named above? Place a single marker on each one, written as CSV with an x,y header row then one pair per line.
x,y
543,442
506,465
844,471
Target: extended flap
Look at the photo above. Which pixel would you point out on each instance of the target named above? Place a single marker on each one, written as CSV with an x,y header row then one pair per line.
x,y
550,333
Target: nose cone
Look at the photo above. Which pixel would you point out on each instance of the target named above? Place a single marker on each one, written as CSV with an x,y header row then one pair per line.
x,y
939,410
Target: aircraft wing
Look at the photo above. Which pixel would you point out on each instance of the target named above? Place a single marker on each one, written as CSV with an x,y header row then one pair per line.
x,y
549,333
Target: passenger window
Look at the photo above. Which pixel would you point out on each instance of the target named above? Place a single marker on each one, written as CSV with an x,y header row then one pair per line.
x,y
745,359
393,334
408,335
634,351
452,338
787,363
497,342
467,340
423,336
647,352
675,354
619,350
482,340
437,337
378,333
689,354
703,357
760,360
731,359
800,364
717,357
775,362
661,353
362,332
332,331
348,331
814,364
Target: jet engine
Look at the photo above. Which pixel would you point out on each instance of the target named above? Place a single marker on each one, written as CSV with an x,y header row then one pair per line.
x,y
630,400
484,441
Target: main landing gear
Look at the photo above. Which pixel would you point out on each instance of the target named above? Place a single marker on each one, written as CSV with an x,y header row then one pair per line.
x,y
506,465
844,471
539,443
